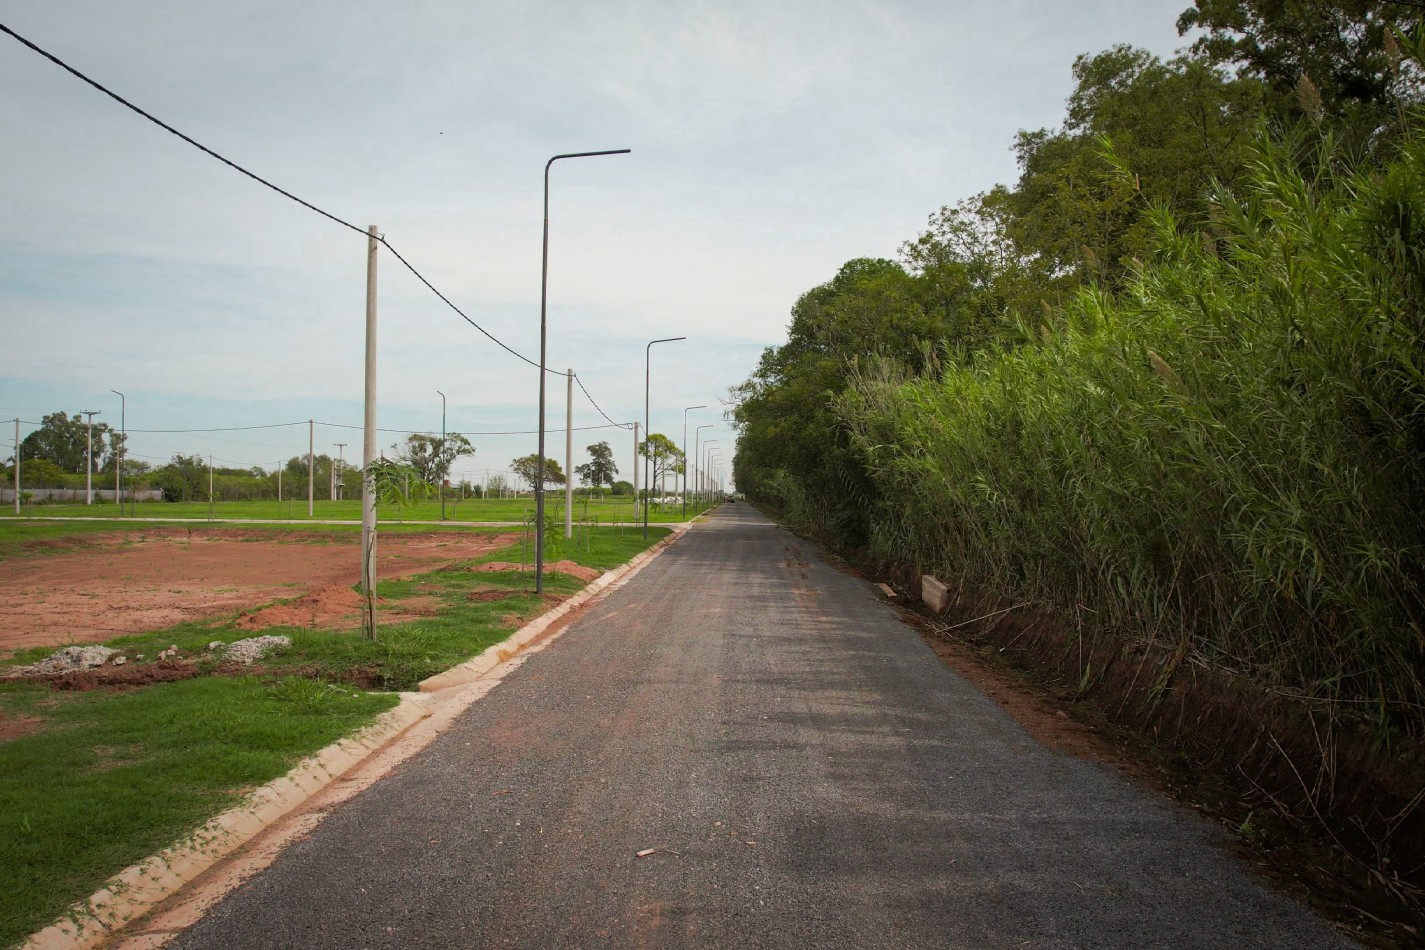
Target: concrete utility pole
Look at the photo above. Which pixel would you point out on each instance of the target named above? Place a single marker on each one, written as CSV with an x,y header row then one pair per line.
x,y
89,456
636,495
280,466
442,450
311,466
120,451
569,460
368,448
17,466
210,488
340,479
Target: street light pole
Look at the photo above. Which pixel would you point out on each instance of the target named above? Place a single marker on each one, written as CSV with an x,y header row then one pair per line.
x,y
698,459
543,354
707,460
685,458
89,455
647,432
442,451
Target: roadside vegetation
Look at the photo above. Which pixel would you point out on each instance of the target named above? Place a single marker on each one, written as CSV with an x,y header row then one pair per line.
x,y
100,769
1167,392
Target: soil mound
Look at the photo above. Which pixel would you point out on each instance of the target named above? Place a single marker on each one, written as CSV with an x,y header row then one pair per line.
x,y
320,607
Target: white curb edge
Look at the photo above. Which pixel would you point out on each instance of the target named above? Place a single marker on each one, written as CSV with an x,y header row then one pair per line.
x,y
139,887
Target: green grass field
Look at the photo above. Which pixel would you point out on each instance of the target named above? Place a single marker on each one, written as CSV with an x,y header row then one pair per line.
x,y
606,511
105,777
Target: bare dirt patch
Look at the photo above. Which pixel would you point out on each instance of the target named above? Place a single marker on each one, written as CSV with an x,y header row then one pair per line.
x,y
122,583
13,727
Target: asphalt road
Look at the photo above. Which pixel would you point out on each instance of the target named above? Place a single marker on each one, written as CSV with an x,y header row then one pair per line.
x,y
809,771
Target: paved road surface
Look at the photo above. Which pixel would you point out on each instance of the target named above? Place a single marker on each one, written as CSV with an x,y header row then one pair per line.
x,y
813,776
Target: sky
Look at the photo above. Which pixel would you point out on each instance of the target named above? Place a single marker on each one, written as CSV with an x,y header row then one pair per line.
x,y
771,143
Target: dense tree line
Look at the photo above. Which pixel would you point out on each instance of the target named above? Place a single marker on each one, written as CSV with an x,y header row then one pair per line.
x,y
1172,374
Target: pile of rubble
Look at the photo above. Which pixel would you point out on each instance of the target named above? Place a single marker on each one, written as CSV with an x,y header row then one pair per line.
x,y
76,659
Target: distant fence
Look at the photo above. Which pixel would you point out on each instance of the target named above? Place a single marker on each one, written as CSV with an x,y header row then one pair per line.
x,y
7,495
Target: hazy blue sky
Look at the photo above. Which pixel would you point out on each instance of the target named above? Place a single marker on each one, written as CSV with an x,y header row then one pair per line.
x,y
771,142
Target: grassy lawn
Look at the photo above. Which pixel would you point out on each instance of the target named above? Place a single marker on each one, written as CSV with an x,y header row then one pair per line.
x,y
109,776
605,511
114,777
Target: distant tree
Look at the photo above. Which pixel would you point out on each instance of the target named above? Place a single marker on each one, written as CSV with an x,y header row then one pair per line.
x,y
622,487
430,456
527,468
600,469
63,440
184,478
496,486
41,473
664,455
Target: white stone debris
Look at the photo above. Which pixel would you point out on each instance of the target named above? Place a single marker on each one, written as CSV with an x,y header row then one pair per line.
x,y
216,645
254,648
67,660
120,660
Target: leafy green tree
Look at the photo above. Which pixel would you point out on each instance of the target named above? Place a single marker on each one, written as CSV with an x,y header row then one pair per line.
x,y
431,457
664,456
600,469
41,473
63,440
1359,85
527,468
184,478
1139,133
622,487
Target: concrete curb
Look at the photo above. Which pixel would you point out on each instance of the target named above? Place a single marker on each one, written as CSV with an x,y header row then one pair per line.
x,y
476,667
139,888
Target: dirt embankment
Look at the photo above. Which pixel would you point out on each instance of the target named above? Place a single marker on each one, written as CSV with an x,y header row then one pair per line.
x,y
126,582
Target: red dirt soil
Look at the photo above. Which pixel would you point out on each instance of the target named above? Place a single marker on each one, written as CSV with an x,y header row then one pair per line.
x,y
130,583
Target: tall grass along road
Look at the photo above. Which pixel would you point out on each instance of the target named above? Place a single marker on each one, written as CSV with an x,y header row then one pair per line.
x,y
742,747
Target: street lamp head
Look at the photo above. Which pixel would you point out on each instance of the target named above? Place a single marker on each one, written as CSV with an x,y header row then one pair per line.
x,y
612,151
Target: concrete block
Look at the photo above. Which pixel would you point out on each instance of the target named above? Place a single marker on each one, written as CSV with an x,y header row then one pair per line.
x,y
934,593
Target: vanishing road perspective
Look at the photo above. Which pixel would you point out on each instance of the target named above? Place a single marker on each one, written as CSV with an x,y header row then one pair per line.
x,y
744,746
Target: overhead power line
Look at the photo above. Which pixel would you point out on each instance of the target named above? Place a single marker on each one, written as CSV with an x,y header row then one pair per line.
x,y
621,425
275,425
267,184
